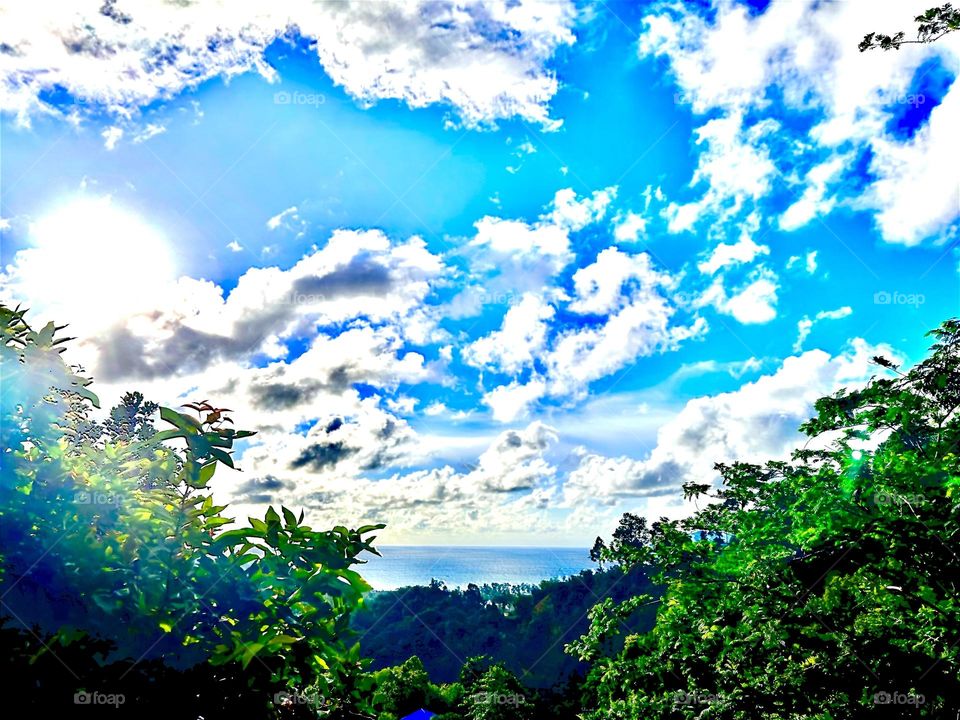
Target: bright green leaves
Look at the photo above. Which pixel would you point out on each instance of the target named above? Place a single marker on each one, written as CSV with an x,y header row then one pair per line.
x,y
112,529
803,588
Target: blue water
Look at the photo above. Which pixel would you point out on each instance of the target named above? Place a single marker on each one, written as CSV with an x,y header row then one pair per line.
x,y
402,566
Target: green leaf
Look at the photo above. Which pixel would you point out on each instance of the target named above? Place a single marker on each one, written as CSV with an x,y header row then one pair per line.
x,y
183,422
206,474
222,457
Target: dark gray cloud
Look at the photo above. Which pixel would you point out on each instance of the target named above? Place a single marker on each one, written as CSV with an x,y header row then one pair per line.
x,y
362,276
323,455
261,490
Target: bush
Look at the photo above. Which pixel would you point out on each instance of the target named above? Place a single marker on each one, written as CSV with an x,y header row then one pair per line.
x,y
824,587
120,577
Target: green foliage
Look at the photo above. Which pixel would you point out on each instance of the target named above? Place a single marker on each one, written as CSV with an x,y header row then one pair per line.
x,y
524,627
497,695
406,688
823,587
112,552
932,25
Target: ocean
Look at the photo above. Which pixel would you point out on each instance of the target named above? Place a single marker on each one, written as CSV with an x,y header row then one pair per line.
x,y
402,566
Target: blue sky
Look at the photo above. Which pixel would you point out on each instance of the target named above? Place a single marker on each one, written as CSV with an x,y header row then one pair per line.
x,y
491,272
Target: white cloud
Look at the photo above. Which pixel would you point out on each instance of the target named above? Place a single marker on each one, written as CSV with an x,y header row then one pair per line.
x,y
150,131
640,323
517,237
601,287
814,202
509,402
485,59
809,261
805,324
735,166
567,211
515,461
287,218
724,255
757,422
518,342
752,303
111,136
509,257
629,227
802,56
916,194
630,296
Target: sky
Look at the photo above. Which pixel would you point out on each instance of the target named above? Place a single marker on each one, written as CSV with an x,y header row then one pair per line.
x,y
490,272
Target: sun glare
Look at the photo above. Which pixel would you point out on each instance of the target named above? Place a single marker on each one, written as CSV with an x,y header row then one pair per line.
x,y
91,256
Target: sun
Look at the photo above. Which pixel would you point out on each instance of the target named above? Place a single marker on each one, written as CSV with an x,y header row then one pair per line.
x,y
93,258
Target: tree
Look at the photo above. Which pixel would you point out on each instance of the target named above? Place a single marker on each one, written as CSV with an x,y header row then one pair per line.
x,y
820,587
496,695
931,26
114,555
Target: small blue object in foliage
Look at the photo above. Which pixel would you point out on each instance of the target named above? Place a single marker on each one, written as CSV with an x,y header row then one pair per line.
x,y
420,715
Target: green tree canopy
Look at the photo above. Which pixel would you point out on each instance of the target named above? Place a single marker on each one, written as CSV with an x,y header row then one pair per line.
x,y
931,26
820,587
114,555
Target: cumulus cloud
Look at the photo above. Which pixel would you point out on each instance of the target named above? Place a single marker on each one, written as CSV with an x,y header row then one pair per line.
x,y
505,489
735,166
806,323
629,226
632,316
509,402
568,211
724,255
518,342
356,274
284,218
748,69
757,422
486,59
808,261
751,303
509,257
